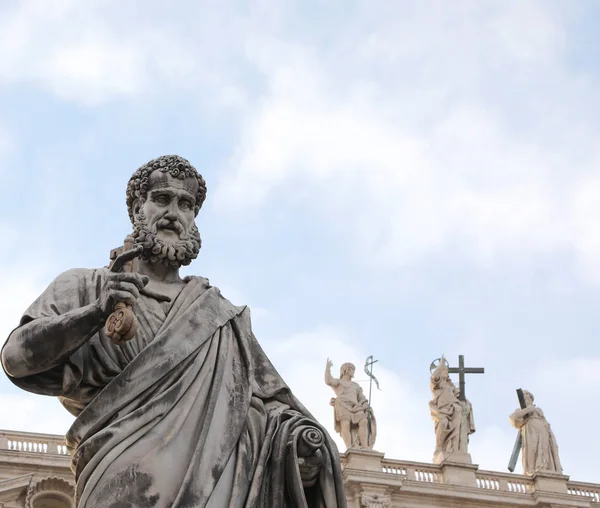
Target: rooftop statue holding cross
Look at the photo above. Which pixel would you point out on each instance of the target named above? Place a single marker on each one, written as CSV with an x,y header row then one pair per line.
x,y
536,439
451,412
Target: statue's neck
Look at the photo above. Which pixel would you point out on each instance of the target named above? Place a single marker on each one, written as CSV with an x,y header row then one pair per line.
x,y
159,272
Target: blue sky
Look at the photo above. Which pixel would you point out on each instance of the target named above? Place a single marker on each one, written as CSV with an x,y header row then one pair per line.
x,y
402,179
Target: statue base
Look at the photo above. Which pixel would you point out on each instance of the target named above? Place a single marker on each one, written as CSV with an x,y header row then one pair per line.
x,y
364,459
458,469
452,457
550,481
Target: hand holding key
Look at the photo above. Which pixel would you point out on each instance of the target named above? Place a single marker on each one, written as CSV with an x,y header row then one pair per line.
x,y
118,294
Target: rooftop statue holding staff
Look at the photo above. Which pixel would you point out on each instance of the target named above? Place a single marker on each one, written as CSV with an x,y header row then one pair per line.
x,y
176,405
353,416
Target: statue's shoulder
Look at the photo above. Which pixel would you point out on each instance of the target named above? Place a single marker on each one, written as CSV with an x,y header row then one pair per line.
x,y
215,289
199,279
72,285
77,276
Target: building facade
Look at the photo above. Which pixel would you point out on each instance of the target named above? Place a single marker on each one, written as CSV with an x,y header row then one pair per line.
x,y
35,473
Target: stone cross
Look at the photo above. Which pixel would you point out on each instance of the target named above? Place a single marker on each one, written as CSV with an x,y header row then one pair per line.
x,y
519,441
461,370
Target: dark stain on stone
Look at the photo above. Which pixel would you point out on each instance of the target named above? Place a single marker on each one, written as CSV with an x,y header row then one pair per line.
x,y
132,488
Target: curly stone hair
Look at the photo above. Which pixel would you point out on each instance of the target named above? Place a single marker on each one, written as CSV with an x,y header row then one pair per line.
x,y
178,167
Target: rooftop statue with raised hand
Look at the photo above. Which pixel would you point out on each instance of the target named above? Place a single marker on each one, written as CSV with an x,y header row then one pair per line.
x,y
186,410
352,413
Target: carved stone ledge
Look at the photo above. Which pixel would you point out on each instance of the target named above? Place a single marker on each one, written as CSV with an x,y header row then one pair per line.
x,y
366,460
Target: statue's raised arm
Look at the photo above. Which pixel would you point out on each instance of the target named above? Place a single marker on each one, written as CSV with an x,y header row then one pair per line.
x,y
329,379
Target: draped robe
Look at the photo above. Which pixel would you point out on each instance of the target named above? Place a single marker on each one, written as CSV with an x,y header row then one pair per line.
x,y
446,413
467,425
189,413
539,447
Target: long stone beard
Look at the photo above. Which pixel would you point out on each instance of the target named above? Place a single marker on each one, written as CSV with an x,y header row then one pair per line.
x,y
172,254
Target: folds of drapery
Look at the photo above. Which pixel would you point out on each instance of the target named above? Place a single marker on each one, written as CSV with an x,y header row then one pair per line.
x,y
539,447
191,413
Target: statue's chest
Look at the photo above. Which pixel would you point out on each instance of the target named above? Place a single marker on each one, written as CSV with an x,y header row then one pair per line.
x,y
348,390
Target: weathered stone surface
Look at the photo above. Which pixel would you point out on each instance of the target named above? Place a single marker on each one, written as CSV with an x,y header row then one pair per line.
x,y
188,411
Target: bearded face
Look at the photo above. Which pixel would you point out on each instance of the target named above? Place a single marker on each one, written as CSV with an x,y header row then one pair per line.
x,y
173,253
164,223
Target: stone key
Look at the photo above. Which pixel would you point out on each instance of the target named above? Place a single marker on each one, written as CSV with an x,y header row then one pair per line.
x,y
122,324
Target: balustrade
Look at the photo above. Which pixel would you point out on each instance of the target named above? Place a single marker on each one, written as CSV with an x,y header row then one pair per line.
x,y
32,443
588,490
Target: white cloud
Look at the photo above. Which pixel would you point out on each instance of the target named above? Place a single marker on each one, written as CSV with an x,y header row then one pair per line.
x,y
565,389
570,380
410,139
584,234
7,143
26,412
64,48
528,31
97,51
21,283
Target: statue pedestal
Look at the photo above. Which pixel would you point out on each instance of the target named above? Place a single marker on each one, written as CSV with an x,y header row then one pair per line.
x,y
454,457
373,487
458,469
366,460
548,481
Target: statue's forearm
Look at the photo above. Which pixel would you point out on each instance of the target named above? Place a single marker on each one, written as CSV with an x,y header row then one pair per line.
x,y
45,342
